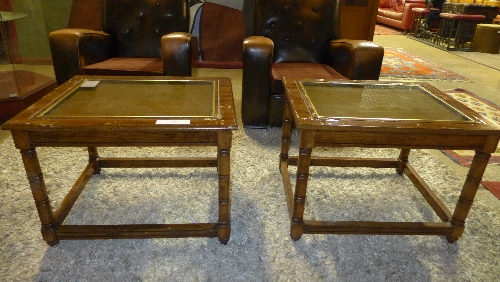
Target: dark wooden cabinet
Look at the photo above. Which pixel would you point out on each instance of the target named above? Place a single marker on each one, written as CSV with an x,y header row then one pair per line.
x,y
357,19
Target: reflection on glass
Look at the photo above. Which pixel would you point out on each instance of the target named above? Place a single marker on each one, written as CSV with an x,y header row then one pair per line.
x,y
139,98
8,79
377,101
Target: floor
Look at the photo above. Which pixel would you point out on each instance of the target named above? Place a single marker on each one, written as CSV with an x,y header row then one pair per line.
x,y
484,82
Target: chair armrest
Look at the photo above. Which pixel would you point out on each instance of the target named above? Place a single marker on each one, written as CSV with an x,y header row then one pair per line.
x,y
257,63
356,59
179,50
73,49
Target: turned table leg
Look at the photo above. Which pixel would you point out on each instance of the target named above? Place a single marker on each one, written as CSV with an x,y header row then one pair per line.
x,y
469,189
37,185
223,156
304,161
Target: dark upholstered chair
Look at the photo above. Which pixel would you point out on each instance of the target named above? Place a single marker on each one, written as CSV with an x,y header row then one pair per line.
x,y
298,39
140,37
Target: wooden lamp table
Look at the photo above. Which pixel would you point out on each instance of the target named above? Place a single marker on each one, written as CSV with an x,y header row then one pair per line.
x,y
92,111
380,115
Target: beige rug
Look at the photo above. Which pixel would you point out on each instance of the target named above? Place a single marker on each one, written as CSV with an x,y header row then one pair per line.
x,y
489,60
485,108
260,248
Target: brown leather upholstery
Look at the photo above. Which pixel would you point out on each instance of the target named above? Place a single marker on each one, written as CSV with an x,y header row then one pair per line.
x,y
298,40
135,40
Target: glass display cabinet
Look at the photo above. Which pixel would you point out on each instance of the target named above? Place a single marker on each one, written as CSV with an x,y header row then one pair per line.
x,y
26,72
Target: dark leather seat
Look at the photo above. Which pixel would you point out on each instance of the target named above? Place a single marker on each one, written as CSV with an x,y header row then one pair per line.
x,y
298,40
140,37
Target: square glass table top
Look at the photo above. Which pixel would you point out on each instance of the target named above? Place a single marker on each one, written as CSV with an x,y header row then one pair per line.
x,y
380,101
137,98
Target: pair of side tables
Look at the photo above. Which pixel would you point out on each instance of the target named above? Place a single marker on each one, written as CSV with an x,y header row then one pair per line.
x,y
92,112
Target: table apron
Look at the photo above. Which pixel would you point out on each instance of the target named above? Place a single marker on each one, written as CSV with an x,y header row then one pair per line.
x,y
123,138
399,140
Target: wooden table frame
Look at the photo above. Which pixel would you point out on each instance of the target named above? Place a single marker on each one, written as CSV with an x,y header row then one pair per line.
x,y
482,136
30,132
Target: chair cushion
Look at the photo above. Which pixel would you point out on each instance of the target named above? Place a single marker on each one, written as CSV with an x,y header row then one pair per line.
x,y
300,70
126,66
390,14
384,3
462,17
397,5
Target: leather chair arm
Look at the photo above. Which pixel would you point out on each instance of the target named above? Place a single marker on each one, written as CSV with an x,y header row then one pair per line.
x,y
179,50
257,63
72,49
356,59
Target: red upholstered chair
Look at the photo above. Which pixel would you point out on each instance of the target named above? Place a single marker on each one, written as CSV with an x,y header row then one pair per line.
x,y
297,39
141,37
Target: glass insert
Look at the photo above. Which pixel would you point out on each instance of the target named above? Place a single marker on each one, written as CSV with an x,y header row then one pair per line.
x,y
139,98
377,101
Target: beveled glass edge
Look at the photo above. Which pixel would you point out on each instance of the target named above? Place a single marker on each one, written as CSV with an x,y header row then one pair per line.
x,y
216,114
314,113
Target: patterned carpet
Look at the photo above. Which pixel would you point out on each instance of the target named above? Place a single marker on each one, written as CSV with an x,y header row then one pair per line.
x,y
485,108
399,64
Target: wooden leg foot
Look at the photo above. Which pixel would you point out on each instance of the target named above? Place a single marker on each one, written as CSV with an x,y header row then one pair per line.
x,y
223,241
224,233
53,244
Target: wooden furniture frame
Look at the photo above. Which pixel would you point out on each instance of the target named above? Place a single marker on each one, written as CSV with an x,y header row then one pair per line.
x,y
458,128
54,122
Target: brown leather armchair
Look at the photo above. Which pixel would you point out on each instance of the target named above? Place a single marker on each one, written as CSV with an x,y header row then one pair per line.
x,y
142,37
298,40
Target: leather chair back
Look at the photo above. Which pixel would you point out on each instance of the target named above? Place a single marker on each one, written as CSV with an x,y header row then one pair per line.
x,y
136,27
300,30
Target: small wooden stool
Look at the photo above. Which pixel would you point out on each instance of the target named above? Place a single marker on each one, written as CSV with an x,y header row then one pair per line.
x,y
487,38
